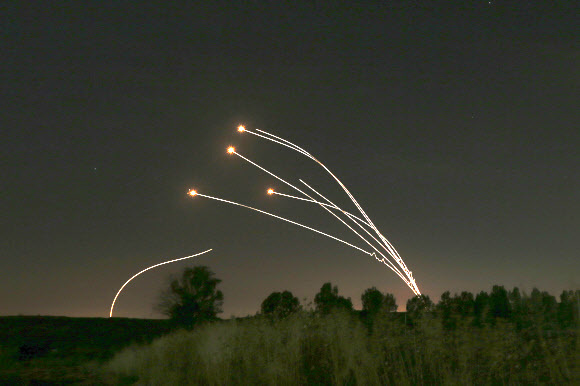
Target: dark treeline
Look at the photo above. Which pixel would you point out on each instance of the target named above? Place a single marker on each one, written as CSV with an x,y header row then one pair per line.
x,y
497,337
537,309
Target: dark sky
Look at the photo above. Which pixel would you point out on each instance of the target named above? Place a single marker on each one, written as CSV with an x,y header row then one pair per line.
x,y
456,128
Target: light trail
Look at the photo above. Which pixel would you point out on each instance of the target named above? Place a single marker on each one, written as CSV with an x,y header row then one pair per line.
x,y
385,243
396,255
348,215
231,150
387,249
153,266
383,260
272,191
196,194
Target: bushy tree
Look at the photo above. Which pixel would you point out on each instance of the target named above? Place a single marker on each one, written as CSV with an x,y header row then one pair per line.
x,y
480,307
280,304
446,308
328,299
374,301
499,304
446,304
390,303
418,305
192,298
464,303
568,309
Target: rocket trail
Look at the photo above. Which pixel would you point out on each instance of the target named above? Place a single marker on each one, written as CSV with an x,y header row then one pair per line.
x,y
231,150
392,251
280,218
317,202
146,269
384,259
349,215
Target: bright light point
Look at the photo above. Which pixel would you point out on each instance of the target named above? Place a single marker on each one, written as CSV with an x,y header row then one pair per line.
x,y
192,192
241,128
231,150
270,191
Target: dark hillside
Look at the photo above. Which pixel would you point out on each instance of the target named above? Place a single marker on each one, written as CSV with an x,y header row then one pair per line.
x,y
43,348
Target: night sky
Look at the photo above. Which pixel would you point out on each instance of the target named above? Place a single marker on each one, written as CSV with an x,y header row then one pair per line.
x,y
456,128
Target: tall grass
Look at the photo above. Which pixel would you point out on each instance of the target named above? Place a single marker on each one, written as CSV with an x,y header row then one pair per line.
x,y
307,348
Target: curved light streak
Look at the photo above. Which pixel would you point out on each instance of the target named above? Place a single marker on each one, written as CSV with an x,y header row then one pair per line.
x,y
283,219
385,260
153,266
392,251
272,191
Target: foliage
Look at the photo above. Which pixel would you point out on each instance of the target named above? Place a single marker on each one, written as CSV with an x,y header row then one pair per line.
x,y
192,298
337,348
280,304
536,343
374,301
418,305
56,350
328,299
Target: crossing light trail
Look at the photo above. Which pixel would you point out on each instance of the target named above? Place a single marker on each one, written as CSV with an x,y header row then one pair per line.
x,y
153,266
383,260
386,261
194,193
353,218
272,191
385,244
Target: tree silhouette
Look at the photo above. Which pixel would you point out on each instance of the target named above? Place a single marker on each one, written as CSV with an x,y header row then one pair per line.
x,y
192,298
418,305
446,308
480,306
390,303
328,299
499,304
374,301
464,303
568,308
280,304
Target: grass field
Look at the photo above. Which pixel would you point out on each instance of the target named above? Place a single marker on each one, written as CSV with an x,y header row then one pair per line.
x,y
45,350
306,348
340,349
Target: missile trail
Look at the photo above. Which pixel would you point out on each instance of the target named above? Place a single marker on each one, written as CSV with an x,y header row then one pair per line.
x,y
317,202
280,218
384,260
385,243
348,215
231,150
289,144
146,269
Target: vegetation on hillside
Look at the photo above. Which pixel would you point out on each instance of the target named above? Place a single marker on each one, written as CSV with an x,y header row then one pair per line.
x,y
501,337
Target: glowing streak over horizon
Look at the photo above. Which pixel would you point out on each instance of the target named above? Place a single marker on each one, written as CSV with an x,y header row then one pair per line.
x,y
272,191
349,215
385,243
153,266
283,219
386,261
295,147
